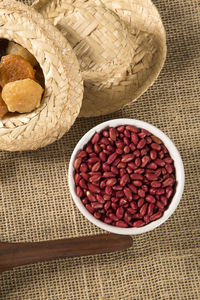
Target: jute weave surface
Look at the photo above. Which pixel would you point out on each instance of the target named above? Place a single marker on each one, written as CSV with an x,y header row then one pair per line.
x,y
35,203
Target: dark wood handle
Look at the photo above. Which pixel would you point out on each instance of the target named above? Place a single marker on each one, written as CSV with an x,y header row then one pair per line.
x,y
18,254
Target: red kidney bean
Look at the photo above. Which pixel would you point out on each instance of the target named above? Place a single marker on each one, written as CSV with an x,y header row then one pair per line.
x,y
121,165
169,168
117,187
105,133
132,188
139,171
168,160
95,178
127,158
102,156
126,150
89,149
145,160
160,191
93,154
120,212
163,199
107,152
132,128
141,193
161,154
83,167
141,144
136,177
107,220
137,162
91,196
155,184
77,178
104,141
114,170
160,205
113,217
103,184
82,154
151,177
122,172
136,153
127,133
137,183
156,139
119,194
168,182
92,188
111,181
134,205
134,138
156,216
137,216
146,219
111,158
150,199
152,191
131,211
96,205
111,148
114,206
109,174
143,152
107,205
97,148
132,165
138,223
129,170
128,193
143,209
149,140
158,172
93,160
97,215
83,184
164,171
106,167
152,166
79,191
169,192
96,167
140,202
159,162
126,141
121,224
153,154
132,147
77,163
119,145
150,209
124,179
127,217
89,208
123,201
96,138
85,200
156,146
120,128
100,199
113,134
108,190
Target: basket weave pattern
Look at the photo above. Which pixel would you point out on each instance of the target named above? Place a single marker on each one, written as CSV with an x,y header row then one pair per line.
x,y
63,84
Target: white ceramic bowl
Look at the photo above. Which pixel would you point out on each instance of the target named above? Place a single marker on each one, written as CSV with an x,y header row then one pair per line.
x,y
180,176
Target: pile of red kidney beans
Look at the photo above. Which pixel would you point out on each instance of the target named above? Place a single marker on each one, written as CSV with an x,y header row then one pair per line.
x,y
125,176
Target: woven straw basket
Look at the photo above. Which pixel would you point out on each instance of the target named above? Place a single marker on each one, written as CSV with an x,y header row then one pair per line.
x,y
63,81
120,45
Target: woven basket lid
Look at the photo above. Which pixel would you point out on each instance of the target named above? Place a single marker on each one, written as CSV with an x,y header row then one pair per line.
x,y
63,81
120,45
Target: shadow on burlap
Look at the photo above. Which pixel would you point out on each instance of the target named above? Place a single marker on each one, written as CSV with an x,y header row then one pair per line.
x,y
35,203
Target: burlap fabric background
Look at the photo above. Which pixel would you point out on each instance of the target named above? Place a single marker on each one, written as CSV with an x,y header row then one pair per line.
x,y
35,203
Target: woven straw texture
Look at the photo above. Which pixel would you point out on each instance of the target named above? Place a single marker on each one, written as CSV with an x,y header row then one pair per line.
x,y
35,203
120,45
63,82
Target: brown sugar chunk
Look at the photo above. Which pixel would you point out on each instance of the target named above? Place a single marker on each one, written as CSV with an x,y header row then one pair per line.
x,y
3,108
14,67
22,96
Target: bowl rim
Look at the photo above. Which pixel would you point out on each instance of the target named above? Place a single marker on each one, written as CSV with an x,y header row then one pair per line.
x,y
174,153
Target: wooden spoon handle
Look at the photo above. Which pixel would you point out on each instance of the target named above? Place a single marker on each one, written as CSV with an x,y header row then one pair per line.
x,y
18,254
